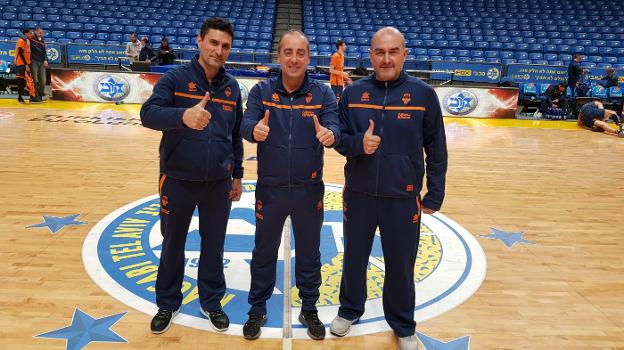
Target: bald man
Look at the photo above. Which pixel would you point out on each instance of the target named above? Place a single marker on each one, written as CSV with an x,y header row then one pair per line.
x,y
386,121
292,118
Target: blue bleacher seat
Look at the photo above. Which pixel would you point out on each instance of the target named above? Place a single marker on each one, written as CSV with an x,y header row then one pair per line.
x,y
57,34
434,52
551,56
73,35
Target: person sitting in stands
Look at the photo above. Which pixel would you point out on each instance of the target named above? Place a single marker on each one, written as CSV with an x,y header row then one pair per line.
x,y
165,53
146,54
555,97
609,80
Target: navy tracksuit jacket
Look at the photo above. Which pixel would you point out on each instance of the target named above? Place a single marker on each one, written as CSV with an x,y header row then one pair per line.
x,y
196,170
290,171
383,188
574,75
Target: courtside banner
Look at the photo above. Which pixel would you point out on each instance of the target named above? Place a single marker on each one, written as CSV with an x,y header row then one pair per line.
x,y
471,72
7,53
110,86
528,73
94,54
89,86
477,102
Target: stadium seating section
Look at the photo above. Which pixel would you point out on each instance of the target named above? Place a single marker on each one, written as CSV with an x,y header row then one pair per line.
x,y
111,22
505,31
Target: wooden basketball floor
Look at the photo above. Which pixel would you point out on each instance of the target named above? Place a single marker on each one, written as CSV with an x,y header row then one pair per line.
x,y
561,186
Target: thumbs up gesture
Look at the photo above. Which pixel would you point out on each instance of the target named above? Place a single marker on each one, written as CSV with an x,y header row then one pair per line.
x,y
371,142
197,117
323,134
261,130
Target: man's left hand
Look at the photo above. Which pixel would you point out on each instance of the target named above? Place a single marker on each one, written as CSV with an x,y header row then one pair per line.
x,y
237,190
45,64
323,134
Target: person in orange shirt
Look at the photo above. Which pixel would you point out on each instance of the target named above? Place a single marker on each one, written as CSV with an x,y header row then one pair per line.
x,y
337,76
22,67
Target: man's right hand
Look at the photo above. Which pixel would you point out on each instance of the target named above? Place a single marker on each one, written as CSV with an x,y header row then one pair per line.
x,y
197,117
261,130
371,142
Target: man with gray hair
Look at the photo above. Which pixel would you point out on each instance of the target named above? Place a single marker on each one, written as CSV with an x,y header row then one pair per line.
x,y
386,121
292,118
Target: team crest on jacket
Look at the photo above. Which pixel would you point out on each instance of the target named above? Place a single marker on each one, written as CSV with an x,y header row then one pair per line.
x,y
275,97
308,97
192,87
121,254
365,97
228,91
406,98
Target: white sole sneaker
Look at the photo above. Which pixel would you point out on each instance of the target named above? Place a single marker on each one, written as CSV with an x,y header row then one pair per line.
x,y
339,334
201,309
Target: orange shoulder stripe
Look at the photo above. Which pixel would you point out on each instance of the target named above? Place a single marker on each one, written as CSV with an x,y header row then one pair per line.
x,y
199,97
271,104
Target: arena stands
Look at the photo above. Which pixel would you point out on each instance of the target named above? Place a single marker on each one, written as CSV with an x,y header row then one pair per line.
x,y
111,22
501,31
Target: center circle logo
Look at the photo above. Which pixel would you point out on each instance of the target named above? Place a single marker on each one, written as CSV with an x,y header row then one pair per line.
x,y
122,251
112,87
460,102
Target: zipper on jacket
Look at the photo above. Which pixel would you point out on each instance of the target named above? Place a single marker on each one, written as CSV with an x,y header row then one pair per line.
x,y
290,139
380,135
209,139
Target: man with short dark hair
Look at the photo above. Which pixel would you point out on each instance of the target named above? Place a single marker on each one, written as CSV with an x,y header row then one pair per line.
x,y
554,97
292,118
39,62
146,53
165,54
337,75
198,108
574,72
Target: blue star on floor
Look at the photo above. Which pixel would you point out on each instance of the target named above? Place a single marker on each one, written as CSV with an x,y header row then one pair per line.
x,y
85,329
508,238
55,223
462,343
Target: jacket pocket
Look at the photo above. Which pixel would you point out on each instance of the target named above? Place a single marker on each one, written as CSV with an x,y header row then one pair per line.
x,y
398,176
221,160
361,173
307,164
188,158
272,164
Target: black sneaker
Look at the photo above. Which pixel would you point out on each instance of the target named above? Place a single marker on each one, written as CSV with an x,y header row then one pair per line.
x,y
252,328
20,99
162,321
219,321
35,100
316,328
